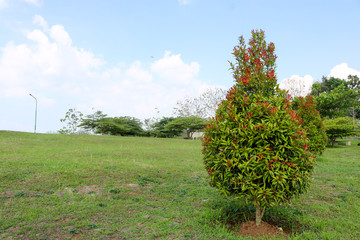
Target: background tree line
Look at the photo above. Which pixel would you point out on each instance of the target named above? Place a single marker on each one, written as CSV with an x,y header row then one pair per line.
x,y
191,114
337,100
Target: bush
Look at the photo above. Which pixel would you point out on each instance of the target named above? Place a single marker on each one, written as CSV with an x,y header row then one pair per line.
x,y
255,147
312,122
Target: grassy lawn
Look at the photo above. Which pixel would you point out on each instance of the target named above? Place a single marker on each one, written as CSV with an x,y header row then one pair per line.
x,y
106,187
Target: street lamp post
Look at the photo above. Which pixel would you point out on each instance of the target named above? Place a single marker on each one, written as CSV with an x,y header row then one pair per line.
x,y
35,111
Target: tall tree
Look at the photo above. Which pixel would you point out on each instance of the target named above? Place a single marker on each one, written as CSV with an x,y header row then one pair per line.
x,y
255,147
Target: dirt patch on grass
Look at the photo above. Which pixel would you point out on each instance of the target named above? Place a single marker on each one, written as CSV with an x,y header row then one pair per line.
x,y
84,190
264,230
89,190
132,185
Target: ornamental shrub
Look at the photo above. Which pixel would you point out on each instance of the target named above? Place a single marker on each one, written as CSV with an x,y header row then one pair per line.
x,y
312,122
255,147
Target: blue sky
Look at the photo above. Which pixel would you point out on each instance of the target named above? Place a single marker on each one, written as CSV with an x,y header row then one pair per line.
x,y
129,58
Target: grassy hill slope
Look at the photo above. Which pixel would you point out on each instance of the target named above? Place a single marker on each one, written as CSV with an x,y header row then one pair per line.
x,y
99,187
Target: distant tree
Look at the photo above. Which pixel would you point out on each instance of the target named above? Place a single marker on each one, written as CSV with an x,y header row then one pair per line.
x,y
337,102
353,82
71,120
159,128
336,96
297,86
326,85
189,124
123,126
339,128
203,106
91,122
211,99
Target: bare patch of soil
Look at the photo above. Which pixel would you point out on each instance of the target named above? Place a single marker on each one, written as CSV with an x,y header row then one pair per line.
x,y
264,230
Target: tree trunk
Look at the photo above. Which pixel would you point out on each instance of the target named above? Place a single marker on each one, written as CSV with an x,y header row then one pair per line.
x,y
259,214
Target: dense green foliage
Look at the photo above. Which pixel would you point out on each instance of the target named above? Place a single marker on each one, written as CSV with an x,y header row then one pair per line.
x,y
160,129
123,126
189,124
339,128
312,122
336,96
91,122
255,147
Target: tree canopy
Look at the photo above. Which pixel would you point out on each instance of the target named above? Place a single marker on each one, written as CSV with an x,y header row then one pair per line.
x,y
336,96
339,128
255,147
189,124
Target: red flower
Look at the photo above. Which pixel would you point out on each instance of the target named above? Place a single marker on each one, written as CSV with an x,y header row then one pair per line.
x,y
247,57
209,171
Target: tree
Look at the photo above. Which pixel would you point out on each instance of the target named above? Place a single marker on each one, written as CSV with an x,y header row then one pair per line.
x,y
297,86
189,124
255,147
312,122
72,120
123,126
335,96
326,85
336,102
91,122
339,128
203,106
160,129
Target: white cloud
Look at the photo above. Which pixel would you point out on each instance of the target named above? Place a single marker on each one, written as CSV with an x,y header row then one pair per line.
x,y
173,70
63,75
58,33
297,86
41,63
137,74
39,20
342,71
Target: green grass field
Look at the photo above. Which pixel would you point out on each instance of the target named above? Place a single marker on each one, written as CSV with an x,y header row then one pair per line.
x,y
106,187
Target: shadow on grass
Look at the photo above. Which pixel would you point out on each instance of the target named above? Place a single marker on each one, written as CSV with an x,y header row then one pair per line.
x,y
232,212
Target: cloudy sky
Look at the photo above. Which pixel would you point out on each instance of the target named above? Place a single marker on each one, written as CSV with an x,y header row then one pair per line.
x,y
135,58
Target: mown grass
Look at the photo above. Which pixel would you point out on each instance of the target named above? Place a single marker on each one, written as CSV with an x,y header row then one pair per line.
x,y
106,187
